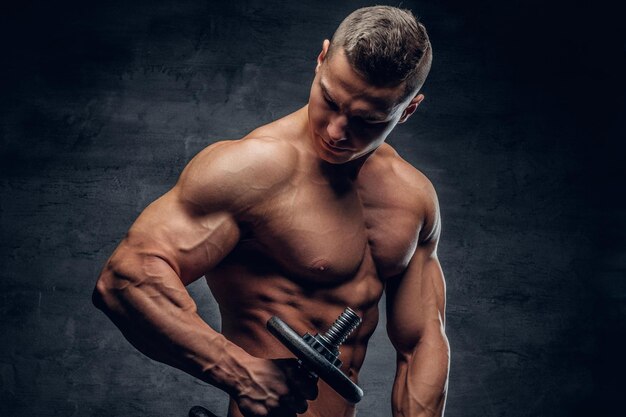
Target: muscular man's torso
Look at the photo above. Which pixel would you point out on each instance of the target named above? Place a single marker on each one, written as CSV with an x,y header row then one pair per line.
x,y
318,244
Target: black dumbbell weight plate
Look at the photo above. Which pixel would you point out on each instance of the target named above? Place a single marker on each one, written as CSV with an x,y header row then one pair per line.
x,y
314,361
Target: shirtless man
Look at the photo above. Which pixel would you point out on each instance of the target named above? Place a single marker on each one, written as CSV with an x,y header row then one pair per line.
x,y
299,219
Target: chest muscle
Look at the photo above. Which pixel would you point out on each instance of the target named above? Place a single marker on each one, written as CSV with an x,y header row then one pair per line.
x,y
312,231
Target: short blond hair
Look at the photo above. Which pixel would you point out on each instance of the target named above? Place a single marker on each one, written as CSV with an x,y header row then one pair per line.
x,y
386,45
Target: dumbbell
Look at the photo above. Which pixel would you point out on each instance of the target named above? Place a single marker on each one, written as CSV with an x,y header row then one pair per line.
x,y
318,354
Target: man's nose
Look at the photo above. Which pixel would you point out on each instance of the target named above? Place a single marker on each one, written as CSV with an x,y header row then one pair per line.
x,y
337,128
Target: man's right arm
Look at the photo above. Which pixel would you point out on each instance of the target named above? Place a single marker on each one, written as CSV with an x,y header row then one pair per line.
x,y
142,286
175,241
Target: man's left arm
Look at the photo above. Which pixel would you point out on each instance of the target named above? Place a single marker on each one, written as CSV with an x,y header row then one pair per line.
x,y
416,328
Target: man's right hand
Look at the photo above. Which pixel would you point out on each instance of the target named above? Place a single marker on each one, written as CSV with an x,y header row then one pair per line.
x,y
275,388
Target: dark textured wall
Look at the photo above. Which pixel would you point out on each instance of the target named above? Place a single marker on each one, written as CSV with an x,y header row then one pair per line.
x,y
103,104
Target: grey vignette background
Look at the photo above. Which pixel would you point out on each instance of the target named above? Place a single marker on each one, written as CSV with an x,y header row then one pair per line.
x,y
522,131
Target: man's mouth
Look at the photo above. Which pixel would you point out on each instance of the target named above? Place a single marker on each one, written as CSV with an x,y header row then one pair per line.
x,y
335,148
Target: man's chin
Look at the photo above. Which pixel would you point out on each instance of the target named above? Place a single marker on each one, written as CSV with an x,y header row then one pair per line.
x,y
335,159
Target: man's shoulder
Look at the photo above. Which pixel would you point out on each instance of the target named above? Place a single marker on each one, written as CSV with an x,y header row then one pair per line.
x,y
273,155
400,174
239,170
400,185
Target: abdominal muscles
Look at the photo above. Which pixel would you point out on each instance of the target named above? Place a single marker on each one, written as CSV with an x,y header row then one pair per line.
x,y
251,288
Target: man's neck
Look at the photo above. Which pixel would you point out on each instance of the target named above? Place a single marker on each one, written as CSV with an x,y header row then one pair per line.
x,y
349,170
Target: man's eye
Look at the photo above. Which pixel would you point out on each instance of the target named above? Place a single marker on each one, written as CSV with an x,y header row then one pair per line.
x,y
331,104
359,122
363,121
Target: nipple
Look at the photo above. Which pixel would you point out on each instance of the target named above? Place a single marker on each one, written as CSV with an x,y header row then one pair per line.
x,y
320,265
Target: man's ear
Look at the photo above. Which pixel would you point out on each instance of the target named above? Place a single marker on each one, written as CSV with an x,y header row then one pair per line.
x,y
322,56
410,109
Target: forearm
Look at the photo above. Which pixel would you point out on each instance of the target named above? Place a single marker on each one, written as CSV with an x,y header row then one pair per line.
x,y
146,300
421,380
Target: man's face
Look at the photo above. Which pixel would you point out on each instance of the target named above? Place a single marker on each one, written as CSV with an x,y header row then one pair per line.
x,y
348,117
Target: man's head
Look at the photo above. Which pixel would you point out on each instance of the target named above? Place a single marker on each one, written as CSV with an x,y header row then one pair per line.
x,y
367,81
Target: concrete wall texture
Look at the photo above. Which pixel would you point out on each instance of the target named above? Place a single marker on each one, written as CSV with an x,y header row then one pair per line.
x,y
103,104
